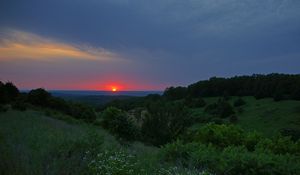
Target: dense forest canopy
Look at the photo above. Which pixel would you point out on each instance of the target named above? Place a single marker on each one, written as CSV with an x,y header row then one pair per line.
x,y
277,86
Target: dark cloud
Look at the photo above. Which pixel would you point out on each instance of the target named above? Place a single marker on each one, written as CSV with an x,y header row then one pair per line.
x,y
171,41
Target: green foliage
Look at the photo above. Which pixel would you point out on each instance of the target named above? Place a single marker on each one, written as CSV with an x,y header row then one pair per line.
x,y
119,124
279,145
19,105
239,102
219,135
229,150
42,98
251,139
176,152
237,160
164,122
8,92
233,119
221,109
81,111
283,86
289,132
231,135
194,102
175,93
39,97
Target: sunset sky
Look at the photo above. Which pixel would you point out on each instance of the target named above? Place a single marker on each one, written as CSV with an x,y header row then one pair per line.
x,y
144,45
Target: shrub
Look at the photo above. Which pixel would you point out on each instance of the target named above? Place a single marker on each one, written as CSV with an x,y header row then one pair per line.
x,y
233,119
251,139
279,145
219,135
175,152
39,97
82,111
289,132
221,109
226,149
18,105
8,92
165,122
194,102
233,160
119,123
218,121
239,102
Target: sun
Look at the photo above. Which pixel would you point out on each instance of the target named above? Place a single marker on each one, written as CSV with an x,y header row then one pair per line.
x,y
114,89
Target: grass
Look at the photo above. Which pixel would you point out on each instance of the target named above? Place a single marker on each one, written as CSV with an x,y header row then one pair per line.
x,y
30,142
264,115
33,143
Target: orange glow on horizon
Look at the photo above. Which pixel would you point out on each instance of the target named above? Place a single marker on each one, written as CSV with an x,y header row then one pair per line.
x,y
114,89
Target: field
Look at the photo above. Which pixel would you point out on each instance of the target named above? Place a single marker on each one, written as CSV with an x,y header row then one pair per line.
x,y
264,115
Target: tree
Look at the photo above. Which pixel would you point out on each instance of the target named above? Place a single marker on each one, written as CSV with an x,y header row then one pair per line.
x,y
221,109
39,97
175,93
119,124
8,92
239,102
164,122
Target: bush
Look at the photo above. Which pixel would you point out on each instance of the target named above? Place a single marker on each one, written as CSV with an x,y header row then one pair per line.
x,y
289,132
176,152
21,106
233,119
239,102
251,139
279,145
194,102
165,122
219,135
39,97
119,124
237,160
230,135
82,111
221,109
8,92
231,160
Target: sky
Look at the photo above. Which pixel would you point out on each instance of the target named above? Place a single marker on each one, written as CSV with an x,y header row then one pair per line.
x,y
144,44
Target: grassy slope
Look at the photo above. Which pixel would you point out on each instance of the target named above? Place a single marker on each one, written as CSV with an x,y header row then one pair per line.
x,y
265,115
30,141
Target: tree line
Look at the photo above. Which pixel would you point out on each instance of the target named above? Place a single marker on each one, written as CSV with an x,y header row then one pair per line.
x,y
11,96
277,86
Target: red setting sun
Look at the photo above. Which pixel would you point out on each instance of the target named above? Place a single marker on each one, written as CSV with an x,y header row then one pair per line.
x,y
114,89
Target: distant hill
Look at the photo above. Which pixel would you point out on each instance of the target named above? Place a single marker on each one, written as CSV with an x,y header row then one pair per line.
x,y
98,98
